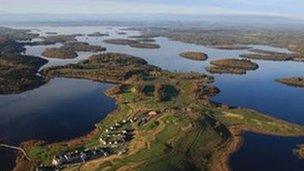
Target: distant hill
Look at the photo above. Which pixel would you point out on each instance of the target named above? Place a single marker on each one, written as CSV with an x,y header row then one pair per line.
x,y
149,20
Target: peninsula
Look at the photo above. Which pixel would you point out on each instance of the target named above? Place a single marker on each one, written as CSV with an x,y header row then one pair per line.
x,y
18,73
163,119
82,47
69,49
61,52
268,55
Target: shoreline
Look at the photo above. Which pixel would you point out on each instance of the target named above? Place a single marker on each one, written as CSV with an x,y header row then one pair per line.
x,y
224,152
236,144
233,146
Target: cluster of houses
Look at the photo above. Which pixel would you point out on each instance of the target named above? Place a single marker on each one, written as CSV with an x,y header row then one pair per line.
x,y
113,141
79,157
117,133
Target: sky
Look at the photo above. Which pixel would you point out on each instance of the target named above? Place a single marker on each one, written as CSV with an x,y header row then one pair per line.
x,y
291,8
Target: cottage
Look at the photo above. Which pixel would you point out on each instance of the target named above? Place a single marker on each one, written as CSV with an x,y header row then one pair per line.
x,y
56,161
77,157
104,142
117,124
105,154
83,157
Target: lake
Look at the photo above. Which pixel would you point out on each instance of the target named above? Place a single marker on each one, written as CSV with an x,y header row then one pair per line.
x,y
59,110
264,153
47,105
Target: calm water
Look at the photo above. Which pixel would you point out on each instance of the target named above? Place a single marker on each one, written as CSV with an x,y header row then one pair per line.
x,y
268,153
60,110
256,90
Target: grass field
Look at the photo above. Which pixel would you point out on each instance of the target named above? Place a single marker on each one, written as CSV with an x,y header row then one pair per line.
x,y
186,131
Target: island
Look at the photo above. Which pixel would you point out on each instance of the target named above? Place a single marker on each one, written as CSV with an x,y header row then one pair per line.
x,y
98,34
122,33
146,40
82,47
145,45
132,43
163,120
61,52
144,36
121,41
51,33
292,81
18,73
236,39
57,39
200,56
232,66
77,34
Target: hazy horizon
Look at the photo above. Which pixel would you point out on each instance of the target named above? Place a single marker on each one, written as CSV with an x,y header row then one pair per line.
x,y
129,19
286,8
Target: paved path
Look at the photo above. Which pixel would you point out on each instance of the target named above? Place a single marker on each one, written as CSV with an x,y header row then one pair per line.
x,y
16,148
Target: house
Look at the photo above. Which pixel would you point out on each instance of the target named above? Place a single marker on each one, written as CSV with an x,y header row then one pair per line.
x,y
77,157
117,125
83,157
104,142
56,161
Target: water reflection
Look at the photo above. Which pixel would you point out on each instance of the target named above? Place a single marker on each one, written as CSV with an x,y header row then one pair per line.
x,y
256,90
61,109
265,153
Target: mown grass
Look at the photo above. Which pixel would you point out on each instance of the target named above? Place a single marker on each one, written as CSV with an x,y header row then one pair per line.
x,y
182,136
258,122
